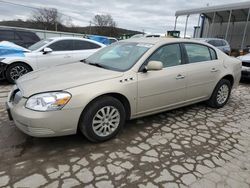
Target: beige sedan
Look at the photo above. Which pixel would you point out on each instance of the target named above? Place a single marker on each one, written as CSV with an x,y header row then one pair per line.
x,y
126,80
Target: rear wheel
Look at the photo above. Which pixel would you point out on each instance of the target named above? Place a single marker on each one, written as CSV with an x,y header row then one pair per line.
x,y
15,71
220,94
102,119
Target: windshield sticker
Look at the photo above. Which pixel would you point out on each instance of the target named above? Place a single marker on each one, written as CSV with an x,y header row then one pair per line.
x,y
146,45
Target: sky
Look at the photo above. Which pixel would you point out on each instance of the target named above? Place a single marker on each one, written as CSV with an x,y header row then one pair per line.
x,y
150,16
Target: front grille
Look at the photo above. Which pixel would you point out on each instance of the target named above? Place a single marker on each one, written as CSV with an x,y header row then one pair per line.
x,y
245,73
2,69
245,64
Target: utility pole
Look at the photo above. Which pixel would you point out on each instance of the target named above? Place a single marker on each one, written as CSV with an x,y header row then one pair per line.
x,y
90,27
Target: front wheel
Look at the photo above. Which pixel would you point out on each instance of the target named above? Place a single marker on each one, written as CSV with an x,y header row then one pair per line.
x,y
220,94
15,71
102,119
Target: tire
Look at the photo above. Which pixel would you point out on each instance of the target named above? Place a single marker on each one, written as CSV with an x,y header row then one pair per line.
x,y
221,94
93,124
15,71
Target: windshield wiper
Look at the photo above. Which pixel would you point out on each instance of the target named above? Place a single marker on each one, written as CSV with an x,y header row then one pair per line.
x,y
97,65
90,63
83,61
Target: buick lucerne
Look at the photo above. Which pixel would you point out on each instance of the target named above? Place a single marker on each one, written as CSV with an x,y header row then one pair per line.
x,y
126,80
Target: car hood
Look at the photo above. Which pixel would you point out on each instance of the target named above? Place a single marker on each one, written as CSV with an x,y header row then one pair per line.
x,y
245,58
9,49
63,77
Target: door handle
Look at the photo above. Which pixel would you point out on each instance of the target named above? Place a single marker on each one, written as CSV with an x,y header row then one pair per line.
x,y
180,76
214,70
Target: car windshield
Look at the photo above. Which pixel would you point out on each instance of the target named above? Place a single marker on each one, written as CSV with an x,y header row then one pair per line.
x,y
39,44
119,56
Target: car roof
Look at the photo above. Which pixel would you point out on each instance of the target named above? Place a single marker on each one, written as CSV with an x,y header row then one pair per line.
x,y
75,38
15,29
204,39
57,38
156,40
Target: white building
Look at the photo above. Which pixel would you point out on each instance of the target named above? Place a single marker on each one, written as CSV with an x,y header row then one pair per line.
x,y
229,21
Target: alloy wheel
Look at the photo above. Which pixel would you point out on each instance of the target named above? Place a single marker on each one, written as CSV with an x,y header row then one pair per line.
x,y
106,121
17,72
222,94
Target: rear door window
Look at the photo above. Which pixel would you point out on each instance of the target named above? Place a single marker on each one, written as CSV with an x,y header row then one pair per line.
x,y
197,53
62,45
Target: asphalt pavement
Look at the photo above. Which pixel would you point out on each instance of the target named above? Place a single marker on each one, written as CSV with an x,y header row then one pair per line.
x,y
195,146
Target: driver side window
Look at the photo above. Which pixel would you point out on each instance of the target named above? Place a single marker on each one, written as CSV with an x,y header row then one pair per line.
x,y
169,55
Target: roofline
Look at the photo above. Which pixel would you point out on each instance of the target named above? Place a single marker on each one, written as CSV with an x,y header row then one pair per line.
x,y
76,38
159,40
209,9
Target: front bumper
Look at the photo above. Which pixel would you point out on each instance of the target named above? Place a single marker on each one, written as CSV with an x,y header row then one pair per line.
x,y
43,124
3,67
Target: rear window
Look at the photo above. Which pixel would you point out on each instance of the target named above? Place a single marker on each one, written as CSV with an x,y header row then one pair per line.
x,y
223,43
216,42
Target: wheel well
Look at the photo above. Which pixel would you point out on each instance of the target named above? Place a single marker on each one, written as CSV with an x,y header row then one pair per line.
x,y
230,78
119,97
124,101
21,63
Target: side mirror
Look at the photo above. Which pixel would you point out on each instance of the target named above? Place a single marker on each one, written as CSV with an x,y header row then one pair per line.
x,y
47,50
154,66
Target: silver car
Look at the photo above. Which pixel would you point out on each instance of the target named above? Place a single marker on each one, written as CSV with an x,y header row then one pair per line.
x,y
126,80
221,44
245,72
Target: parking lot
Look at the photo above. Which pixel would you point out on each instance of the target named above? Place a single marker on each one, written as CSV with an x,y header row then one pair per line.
x,y
195,146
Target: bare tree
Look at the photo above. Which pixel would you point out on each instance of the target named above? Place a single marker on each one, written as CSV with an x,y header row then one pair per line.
x,y
104,20
49,17
104,25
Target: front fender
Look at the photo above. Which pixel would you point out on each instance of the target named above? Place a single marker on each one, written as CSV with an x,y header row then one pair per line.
x,y
83,95
5,62
10,60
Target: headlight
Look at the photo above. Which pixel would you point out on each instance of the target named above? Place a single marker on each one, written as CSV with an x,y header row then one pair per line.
x,y
48,101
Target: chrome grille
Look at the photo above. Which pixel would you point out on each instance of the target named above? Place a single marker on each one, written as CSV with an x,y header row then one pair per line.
x,y
246,64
